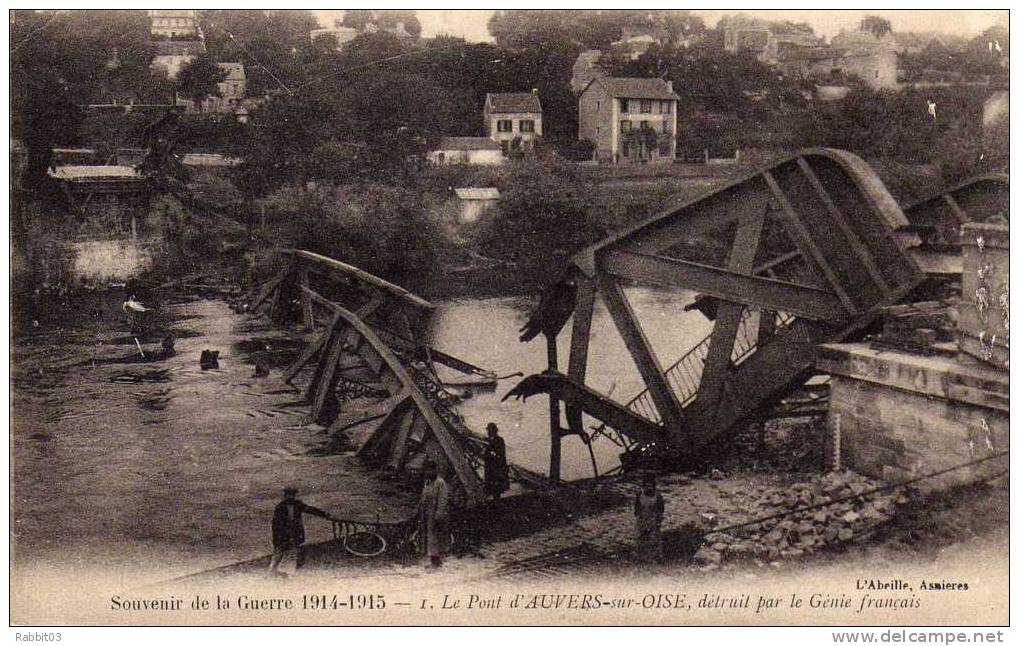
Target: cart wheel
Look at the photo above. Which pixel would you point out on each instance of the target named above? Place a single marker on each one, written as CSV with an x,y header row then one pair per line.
x,y
365,544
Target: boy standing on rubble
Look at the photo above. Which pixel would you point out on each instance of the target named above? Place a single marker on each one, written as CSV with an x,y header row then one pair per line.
x,y
649,509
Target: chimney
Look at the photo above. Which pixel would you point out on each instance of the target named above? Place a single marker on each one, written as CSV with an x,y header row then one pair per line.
x,y
668,86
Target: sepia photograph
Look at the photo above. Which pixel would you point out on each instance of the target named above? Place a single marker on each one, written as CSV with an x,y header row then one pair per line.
x,y
564,317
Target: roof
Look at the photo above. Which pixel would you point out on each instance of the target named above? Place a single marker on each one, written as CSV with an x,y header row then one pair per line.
x,y
477,193
234,71
179,47
794,52
208,159
87,173
468,143
636,88
512,102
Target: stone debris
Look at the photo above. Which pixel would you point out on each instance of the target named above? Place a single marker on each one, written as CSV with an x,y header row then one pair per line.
x,y
804,532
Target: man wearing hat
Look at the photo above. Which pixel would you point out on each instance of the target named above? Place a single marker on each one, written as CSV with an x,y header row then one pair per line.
x,y
496,470
288,528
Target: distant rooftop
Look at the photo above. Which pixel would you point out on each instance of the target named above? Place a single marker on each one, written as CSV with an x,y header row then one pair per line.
x,y
234,71
637,88
94,173
179,47
468,143
512,102
477,193
208,159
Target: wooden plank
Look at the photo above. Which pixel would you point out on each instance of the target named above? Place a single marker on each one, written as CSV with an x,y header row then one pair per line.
x,y
626,421
767,322
327,382
729,317
555,435
859,249
306,310
377,441
807,302
398,452
377,409
769,266
449,445
956,209
313,348
580,340
340,343
647,363
364,277
766,373
806,244
270,286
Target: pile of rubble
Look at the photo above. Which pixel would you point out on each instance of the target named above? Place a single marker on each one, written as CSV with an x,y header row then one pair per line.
x,y
815,527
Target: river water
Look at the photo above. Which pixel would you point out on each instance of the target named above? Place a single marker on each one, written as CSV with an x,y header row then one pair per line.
x,y
119,461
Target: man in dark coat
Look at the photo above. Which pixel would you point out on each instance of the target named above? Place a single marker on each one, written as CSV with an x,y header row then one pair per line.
x,y
496,469
288,528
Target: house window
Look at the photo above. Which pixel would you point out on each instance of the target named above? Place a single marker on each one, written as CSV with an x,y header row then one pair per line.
x,y
667,107
505,147
645,106
505,125
624,105
597,106
643,124
626,149
442,158
624,125
526,125
597,130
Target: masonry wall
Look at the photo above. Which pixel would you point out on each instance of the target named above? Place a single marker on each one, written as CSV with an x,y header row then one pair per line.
x,y
596,109
895,434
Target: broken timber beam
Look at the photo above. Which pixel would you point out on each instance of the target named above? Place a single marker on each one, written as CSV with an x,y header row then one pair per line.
x,y
768,293
636,342
729,316
384,360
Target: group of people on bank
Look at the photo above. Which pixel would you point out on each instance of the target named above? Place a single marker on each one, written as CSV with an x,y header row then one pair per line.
x,y
433,511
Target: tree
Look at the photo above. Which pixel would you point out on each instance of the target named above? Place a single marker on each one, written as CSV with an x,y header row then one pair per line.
x,y
200,79
390,19
357,19
62,60
270,44
876,25
542,218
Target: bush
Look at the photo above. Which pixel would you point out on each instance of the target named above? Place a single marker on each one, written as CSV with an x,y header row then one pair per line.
x,y
577,151
542,218
382,229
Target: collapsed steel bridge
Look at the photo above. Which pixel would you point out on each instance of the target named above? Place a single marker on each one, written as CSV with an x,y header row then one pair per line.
x,y
804,252
373,335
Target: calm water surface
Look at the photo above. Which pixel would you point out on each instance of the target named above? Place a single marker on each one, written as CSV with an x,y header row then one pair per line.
x,y
121,461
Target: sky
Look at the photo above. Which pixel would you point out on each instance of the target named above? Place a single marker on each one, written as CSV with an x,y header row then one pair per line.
x,y
472,25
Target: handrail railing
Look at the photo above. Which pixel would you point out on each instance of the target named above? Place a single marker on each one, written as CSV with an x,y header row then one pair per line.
x,y
685,374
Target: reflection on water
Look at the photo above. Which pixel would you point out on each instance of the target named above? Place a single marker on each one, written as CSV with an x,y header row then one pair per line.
x,y
160,463
486,333
98,261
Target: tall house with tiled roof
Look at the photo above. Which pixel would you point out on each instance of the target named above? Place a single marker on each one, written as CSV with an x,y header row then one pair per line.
x,y
172,55
513,120
174,23
630,120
